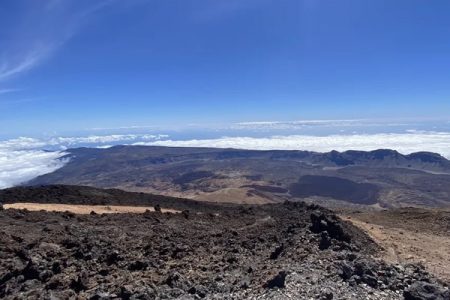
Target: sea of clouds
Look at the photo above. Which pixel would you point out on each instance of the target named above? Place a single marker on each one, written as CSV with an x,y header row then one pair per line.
x,y
18,165
24,158
405,143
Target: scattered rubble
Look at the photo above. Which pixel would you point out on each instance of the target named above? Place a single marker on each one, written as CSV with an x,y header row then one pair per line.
x,y
277,251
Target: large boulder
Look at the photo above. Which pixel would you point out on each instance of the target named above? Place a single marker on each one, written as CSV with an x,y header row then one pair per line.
x,y
323,223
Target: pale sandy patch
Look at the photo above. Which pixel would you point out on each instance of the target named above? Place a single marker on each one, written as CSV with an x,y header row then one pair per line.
x,y
410,246
84,209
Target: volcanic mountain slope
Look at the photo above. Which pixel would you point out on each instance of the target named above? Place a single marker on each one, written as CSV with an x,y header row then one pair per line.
x,y
382,177
85,195
213,251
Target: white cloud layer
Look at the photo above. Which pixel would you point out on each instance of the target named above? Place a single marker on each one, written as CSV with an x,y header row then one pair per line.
x,y
24,158
17,166
21,160
403,142
102,139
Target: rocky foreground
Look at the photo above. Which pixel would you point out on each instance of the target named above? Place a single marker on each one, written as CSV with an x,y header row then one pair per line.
x,y
276,251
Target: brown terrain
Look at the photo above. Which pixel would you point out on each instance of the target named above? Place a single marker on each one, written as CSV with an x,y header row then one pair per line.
x,y
257,232
209,250
383,178
410,235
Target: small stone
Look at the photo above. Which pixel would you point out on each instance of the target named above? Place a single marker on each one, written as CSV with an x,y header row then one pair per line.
x,y
137,266
45,275
277,252
325,241
326,295
345,271
101,296
81,283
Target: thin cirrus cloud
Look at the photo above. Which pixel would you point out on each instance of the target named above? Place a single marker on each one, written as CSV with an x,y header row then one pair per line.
x,y
301,124
6,91
44,27
24,62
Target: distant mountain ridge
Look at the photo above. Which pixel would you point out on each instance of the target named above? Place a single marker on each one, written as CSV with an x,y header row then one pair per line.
x,y
380,157
391,158
383,176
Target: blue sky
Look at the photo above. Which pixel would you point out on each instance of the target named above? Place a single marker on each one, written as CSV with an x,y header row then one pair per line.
x,y
73,65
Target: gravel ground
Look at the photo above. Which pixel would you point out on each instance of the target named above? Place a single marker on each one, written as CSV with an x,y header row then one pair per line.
x,y
275,251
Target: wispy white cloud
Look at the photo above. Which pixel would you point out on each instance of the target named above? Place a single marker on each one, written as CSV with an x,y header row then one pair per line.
x,y
123,127
20,100
10,68
44,27
6,91
300,124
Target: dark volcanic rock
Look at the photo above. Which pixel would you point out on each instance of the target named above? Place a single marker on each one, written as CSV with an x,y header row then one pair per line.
x,y
213,252
425,291
80,283
176,280
325,241
322,222
137,266
277,252
277,282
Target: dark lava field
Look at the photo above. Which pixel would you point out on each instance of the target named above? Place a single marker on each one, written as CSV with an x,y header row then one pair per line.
x,y
274,251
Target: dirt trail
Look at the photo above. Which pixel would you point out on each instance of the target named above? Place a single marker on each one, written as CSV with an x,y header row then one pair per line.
x,y
407,242
84,209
